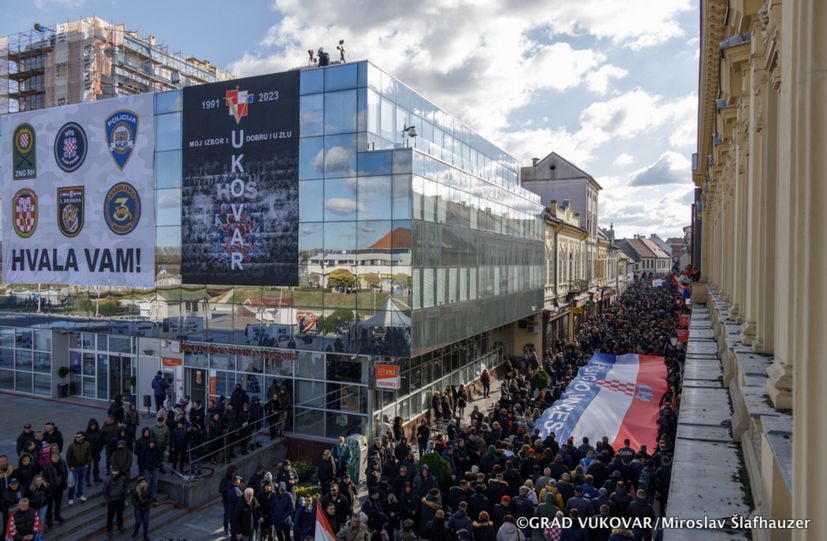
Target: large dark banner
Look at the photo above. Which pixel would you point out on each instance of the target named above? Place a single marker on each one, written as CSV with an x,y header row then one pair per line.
x,y
240,208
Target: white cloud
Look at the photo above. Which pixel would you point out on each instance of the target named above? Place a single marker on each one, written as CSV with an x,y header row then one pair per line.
x,y
624,159
669,168
473,57
598,81
624,117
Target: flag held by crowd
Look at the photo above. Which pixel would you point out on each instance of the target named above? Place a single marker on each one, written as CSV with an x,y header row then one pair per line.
x,y
613,395
324,532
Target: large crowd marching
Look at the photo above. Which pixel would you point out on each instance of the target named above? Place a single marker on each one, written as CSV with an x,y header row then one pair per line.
x,y
480,477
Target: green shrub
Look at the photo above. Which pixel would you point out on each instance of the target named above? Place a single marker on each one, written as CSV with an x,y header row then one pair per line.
x,y
306,490
304,469
540,380
63,371
440,468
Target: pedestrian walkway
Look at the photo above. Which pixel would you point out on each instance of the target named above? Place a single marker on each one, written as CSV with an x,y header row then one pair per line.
x,y
708,463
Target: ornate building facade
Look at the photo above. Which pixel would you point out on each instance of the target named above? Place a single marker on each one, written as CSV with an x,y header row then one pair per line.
x,y
761,170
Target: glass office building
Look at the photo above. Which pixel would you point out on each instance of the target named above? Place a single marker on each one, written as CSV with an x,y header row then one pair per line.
x,y
417,247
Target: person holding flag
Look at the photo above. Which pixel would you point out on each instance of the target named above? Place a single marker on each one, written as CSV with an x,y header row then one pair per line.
x,y
324,532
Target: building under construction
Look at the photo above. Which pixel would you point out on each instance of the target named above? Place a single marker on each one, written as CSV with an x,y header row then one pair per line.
x,y
87,60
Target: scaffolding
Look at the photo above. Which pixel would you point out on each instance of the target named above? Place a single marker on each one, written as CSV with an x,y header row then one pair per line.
x,y
90,59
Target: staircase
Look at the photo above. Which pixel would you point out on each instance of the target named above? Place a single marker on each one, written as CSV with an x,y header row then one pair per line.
x,y
86,521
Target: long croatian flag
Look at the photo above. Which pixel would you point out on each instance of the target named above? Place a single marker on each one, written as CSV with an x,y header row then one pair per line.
x,y
612,395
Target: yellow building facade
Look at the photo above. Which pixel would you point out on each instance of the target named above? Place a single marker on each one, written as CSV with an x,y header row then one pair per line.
x,y
762,169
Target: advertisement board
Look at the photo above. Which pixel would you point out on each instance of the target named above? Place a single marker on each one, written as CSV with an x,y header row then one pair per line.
x,y
77,187
387,376
240,198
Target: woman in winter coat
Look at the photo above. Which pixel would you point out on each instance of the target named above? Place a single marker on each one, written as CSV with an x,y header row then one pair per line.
x,y
39,496
483,529
509,530
95,438
26,470
142,503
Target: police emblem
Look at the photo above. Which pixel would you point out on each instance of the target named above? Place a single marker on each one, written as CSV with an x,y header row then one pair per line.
x,y
122,208
24,153
24,210
70,206
121,131
70,147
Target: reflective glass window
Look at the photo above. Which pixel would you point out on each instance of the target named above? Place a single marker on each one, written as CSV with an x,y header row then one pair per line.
x,y
340,77
374,198
373,112
168,169
340,199
340,155
168,132
311,158
340,112
168,102
375,163
311,200
312,81
168,207
388,120
312,115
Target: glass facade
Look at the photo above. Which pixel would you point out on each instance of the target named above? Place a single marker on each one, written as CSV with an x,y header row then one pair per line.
x,y
409,247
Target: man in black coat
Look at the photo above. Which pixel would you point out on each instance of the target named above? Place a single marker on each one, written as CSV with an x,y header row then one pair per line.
x,y
114,493
245,516
26,435
640,509
26,522
437,529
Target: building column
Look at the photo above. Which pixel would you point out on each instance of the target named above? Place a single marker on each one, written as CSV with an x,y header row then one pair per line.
x,y
804,51
756,176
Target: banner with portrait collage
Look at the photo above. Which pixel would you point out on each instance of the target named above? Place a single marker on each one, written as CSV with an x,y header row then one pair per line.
x,y
240,209
77,190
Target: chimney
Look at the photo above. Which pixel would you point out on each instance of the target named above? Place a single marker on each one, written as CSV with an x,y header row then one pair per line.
x,y
535,161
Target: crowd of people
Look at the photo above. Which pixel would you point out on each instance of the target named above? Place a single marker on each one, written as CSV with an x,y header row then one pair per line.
x,y
50,472
496,470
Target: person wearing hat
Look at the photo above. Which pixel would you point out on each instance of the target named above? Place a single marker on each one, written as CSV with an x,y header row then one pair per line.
x,y
9,497
53,435
142,503
264,496
26,435
282,507
114,494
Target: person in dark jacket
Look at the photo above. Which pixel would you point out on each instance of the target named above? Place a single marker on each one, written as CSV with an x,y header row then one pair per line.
x,y
196,415
159,389
621,499
178,446
640,509
326,470
149,462
437,529
196,451
26,522
245,517
122,459
9,497
256,421
114,494
141,503
239,397
95,438
26,435
232,501
460,519
304,519
38,494
267,532
53,435
26,470
57,475
282,508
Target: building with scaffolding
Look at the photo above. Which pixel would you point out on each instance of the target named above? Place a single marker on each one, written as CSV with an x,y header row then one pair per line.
x,y
87,60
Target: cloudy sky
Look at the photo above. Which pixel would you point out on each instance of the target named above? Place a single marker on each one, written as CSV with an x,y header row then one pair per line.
x,y
611,85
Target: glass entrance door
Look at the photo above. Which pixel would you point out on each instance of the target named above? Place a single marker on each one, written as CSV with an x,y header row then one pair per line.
x,y
197,384
120,377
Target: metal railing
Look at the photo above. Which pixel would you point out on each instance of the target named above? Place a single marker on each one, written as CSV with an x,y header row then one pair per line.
x,y
219,450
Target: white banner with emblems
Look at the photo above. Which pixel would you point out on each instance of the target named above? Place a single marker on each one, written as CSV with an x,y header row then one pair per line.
x,y
77,186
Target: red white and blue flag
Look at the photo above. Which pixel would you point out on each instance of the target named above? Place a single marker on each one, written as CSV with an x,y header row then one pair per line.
x,y
613,395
